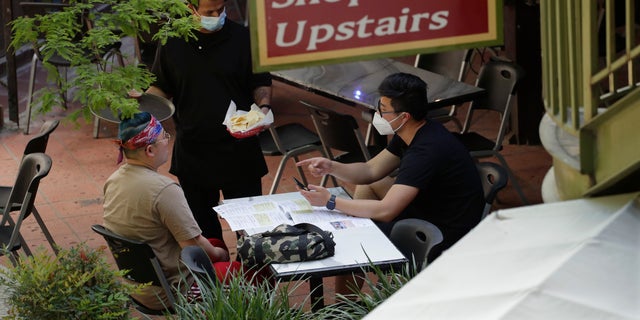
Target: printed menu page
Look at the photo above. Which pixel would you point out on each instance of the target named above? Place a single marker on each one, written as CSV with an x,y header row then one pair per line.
x,y
251,215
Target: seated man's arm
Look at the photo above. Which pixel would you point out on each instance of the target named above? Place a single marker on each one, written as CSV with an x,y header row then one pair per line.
x,y
373,170
215,254
175,214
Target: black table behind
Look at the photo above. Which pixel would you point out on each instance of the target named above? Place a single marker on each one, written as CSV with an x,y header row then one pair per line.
x,y
356,83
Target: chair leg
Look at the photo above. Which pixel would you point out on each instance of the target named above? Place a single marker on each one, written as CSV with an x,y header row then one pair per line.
x,y
96,127
32,83
513,179
120,58
24,246
63,92
45,230
14,258
457,122
276,180
114,55
323,182
300,172
486,210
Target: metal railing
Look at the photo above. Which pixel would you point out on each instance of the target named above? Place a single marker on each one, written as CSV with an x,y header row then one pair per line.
x,y
590,57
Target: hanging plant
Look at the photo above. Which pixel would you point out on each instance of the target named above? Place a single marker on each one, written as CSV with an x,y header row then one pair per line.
x,y
82,34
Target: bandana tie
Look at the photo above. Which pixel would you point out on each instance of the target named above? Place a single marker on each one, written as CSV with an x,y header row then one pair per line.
x,y
147,136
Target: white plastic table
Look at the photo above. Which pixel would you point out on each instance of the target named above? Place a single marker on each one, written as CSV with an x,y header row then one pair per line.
x,y
356,249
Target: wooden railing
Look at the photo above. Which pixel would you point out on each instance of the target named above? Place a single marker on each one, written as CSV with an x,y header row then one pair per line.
x,y
591,91
583,72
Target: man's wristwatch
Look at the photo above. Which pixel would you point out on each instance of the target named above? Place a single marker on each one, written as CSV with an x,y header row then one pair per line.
x,y
331,204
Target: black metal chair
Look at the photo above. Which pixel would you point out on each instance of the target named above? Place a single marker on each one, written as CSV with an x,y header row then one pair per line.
x,y
340,132
198,262
500,79
289,141
494,178
33,168
37,144
452,64
415,238
142,264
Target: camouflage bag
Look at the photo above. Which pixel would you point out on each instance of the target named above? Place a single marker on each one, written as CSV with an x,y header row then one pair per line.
x,y
286,243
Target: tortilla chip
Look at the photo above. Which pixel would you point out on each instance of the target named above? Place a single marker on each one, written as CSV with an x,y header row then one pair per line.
x,y
245,121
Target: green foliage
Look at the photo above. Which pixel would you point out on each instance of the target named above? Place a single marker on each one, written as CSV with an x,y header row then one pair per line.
x,y
356,306
84,36
243,299
240,298
77,284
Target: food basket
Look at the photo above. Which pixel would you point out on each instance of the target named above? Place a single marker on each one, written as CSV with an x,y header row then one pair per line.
x,y
245,134
251,131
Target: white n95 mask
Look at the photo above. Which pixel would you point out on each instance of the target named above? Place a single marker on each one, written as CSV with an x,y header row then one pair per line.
x,y
383,126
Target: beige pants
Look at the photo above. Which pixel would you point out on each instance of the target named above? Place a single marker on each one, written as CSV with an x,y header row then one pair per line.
x,y
374,191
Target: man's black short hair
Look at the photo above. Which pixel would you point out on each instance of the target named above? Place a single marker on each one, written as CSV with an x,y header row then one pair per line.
x,y
408,93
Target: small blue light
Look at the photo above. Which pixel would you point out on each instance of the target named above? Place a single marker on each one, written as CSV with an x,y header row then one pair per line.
x,y
356,94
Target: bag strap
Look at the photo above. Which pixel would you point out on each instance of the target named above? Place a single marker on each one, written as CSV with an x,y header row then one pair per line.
x,y
258,250
327,236
308,227
289,231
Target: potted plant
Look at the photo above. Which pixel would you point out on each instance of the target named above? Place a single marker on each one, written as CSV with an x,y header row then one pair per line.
x,y
80,34
78,283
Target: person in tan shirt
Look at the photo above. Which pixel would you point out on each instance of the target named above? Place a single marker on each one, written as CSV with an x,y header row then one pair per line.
x,y
142,204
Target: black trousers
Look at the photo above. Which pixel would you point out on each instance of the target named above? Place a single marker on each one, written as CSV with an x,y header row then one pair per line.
x,y
202,197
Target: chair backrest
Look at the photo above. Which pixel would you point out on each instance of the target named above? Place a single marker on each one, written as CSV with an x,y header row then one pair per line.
x,y
138,258
33,168
500,79
198,262
415,238
494,178
39,142
453,64
338,131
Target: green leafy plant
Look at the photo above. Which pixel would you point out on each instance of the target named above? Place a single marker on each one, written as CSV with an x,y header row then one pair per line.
x,y
240,298
375,291
81,34
78,283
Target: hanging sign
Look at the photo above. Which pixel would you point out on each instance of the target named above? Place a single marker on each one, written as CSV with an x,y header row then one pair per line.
x,y
292,33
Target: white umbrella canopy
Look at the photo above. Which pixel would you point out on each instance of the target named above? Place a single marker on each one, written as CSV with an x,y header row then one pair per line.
x,y
576,259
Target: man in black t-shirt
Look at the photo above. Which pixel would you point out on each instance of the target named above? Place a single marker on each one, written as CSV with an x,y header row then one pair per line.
x,y
437,179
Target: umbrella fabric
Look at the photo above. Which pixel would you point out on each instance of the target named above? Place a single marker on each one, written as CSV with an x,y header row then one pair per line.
x,y
576,259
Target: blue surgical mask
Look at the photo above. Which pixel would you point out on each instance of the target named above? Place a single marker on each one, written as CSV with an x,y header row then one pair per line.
x,y
213,23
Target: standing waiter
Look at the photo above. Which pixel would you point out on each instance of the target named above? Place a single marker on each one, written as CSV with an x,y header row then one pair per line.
x,y
203,76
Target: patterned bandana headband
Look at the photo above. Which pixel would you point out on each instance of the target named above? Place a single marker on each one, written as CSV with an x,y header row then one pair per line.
x,y
147,135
